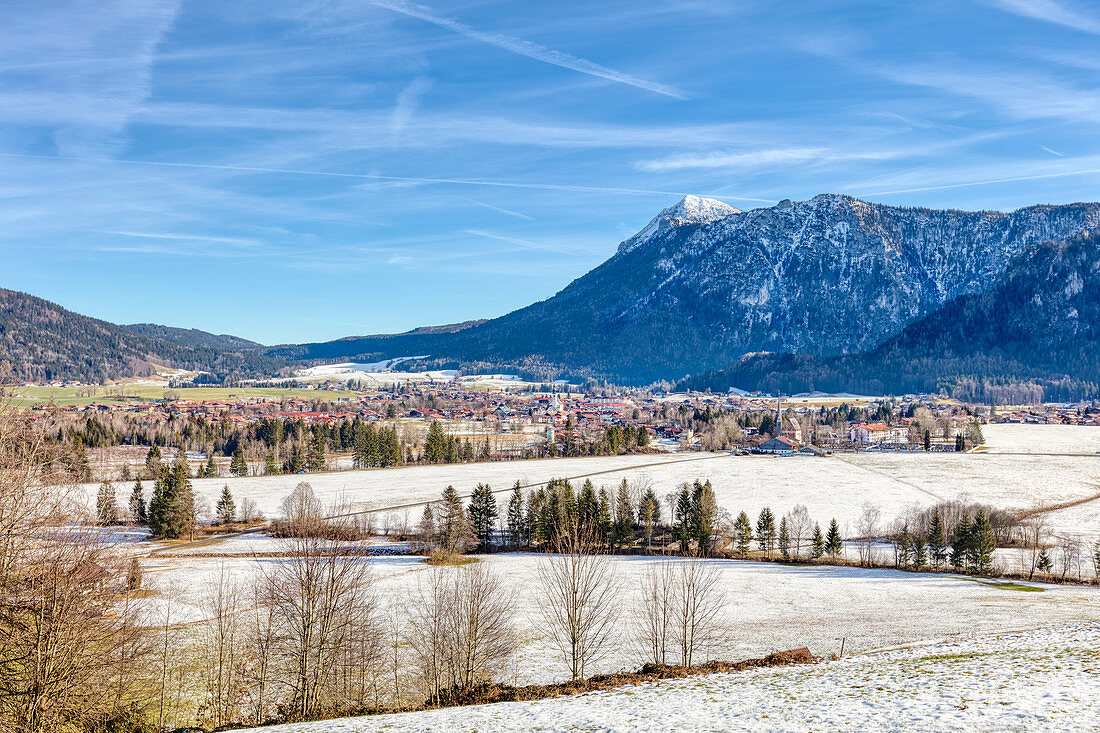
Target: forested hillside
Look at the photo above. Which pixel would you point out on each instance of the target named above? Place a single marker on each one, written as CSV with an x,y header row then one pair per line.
x,y
42,341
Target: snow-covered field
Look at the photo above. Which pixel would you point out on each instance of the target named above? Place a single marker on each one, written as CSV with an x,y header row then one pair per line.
x,y
1011,474
1030,681
768,607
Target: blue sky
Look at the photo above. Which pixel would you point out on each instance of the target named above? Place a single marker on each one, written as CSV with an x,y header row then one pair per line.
x,y
296,171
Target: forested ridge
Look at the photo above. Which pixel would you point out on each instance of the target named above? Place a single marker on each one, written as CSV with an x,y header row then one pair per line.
x,y
41,341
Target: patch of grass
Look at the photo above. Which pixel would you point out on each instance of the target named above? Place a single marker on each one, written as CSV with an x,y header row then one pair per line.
x,y
1007,585
440,557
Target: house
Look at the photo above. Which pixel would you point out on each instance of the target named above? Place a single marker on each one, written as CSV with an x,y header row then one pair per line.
x,y
867,433
776,446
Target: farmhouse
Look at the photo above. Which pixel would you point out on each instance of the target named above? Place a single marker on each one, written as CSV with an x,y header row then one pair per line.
x,y
776,446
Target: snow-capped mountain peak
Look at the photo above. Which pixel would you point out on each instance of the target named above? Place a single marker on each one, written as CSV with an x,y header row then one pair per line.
x,y
691,210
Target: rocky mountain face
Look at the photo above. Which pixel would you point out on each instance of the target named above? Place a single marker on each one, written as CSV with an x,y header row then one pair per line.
x,y
1033,335
704,283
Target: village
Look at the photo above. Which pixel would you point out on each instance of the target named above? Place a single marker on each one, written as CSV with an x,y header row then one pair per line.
x,y
517,420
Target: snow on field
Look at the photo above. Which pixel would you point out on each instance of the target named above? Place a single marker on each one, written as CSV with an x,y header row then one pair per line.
x,y
1029,681
836,486
768,606
352,368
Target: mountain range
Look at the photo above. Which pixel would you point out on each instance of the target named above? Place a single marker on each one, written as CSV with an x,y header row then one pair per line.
x,y
830,292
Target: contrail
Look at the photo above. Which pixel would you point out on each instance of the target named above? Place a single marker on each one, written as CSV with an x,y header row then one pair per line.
x,y
528,49
986,182
372,177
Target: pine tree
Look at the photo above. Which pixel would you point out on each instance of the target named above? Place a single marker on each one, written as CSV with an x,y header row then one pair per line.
x,y
743,534
271,468
1044,564
436,444
623,529
960,548
920,552
902,544
172,507
226,509
834,543
765,531
817,547
649,515
603,519
517,529
784,540
237,464
588,507
937,542
106,507
211,467
483,513
315,455
704,509
137,503
684,524
455,531
927,440
153,462
984,543
426,529
296,463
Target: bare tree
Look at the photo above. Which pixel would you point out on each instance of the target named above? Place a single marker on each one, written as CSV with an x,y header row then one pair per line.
x,y
800,526
462,632
578,600
322,605
221,636
699,599
868,528
656,610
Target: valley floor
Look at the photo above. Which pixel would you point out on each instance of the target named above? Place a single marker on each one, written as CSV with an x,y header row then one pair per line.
x,y
1039,680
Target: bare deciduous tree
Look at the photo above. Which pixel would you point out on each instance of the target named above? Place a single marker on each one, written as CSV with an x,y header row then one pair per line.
x,y
681,599
579,601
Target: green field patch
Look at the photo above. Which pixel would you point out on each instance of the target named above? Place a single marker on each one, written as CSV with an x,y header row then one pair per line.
x,y
1007,585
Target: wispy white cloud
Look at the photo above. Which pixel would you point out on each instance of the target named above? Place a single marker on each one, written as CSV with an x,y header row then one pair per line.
x,y
944,179
1052,152
1050,11
408,101
723,159
184,237
528,49
374,177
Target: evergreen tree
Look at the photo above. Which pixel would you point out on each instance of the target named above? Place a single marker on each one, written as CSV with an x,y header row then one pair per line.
x,y
436,444
623,529
426,529
937,541
817,546
927,440
1044,564
211,467
742,531
684,528
226,509
152,462
603,520
588,507
237,464
920,552
315,455
106,507
704,509
297,462
834,543
960,547
271,468
784,540
455,531
649,515
137,503
765,531
172,507
960,444
984,542
903,542
483,513
517,526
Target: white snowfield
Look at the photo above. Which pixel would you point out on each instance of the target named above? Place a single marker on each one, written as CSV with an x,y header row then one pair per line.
x,y
1020,470
768,607
1042,680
